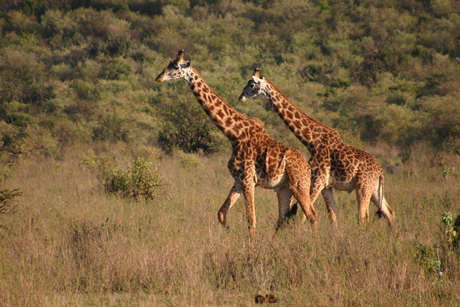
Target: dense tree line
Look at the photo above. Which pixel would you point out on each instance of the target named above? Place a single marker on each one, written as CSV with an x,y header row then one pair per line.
x,y
83,70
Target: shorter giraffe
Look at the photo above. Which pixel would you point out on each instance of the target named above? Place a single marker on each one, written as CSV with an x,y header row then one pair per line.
x,y
334,163
257,159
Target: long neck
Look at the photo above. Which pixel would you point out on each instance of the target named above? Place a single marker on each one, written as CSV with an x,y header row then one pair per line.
x,y
308,130
232,123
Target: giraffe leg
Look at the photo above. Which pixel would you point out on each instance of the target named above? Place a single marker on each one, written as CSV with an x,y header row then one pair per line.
x,y
299,185
284,202
316,188
330,204
232,197
363,195
319,181
250,209
299,188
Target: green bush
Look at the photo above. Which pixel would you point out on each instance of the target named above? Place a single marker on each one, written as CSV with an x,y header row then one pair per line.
x,y
7,199
141,181
188,128
115,69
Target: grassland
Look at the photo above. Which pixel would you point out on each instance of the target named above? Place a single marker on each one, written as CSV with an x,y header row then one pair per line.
x,y
67,243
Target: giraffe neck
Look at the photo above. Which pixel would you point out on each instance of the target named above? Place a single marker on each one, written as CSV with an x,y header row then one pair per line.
x,y
308,130
233,124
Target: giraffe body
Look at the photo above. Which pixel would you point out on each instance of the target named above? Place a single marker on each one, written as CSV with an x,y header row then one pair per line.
x,y
257,159
334,164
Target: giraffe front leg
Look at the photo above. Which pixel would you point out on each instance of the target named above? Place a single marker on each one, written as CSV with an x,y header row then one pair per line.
x,y
250,208
320,178
232,197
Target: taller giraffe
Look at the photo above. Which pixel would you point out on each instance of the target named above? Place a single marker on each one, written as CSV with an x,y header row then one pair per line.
x,y
334,163
257,159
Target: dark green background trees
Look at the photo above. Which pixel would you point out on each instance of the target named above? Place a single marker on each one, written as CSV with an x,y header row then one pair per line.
x,y
82,71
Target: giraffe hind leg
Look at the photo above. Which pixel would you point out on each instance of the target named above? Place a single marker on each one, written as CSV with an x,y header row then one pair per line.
x,y
364,197
284,210
330,204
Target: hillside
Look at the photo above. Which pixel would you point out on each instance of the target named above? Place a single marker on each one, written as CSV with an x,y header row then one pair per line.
x,y
379,72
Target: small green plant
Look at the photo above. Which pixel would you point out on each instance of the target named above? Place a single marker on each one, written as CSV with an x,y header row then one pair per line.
x,y
449,231
429,258
446,171
140,181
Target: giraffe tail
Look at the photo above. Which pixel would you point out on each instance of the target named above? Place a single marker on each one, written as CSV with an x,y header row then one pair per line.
x,y
384,208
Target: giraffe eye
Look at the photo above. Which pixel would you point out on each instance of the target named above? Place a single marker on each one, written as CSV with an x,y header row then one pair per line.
x,y
176,66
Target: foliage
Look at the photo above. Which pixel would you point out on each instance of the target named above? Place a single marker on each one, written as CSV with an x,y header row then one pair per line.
x,y
187,128
450,231
386,72
7,197
188,160
142,181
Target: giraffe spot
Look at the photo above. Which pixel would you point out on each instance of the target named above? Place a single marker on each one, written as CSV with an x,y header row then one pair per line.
x,y
236,127
227,110
228,121
297,124
220,113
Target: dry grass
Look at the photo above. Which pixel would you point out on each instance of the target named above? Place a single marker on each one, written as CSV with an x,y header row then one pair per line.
x,y
69,244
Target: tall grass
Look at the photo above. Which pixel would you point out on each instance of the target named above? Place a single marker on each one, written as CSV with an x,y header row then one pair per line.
x,y
67,243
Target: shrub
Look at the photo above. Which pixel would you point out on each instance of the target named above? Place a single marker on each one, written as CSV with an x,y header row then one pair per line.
x,y
188,129
115,69
7,198
142,181
188,160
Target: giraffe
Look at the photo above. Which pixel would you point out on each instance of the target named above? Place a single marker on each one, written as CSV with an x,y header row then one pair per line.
x,y
334,164
256,160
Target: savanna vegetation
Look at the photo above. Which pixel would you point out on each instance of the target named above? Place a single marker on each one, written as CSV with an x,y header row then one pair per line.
x,y
110,182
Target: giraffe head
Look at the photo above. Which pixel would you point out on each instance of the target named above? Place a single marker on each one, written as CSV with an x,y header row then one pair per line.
x,y
177,69
254,87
